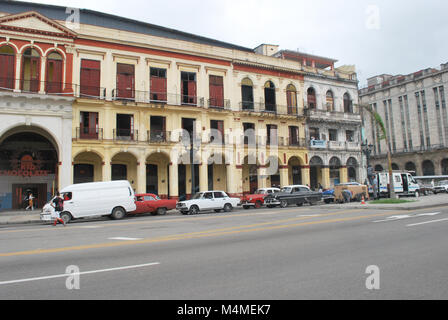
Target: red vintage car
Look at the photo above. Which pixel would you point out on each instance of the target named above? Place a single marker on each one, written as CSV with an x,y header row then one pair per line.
x,y
257,200
151,203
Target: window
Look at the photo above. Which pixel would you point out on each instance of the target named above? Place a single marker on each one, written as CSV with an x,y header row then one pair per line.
x,y
216,92
158,85
350,135
157,129
311,95
7,60
148,198
125,127
54,73
247,94
90,78
249,134
30,71
88,125
218,195
333,134
272,134
330,101
217,131
293,136
125,81
188,87
269,97
348,105
291,97
314,134
208,195
420,121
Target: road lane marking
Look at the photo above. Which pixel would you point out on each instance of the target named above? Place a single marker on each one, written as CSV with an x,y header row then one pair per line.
x,y
402,217
80,273
427,222
194,235
125,239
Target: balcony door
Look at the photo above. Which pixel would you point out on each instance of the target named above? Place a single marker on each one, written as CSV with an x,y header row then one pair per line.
x,y
54,73
125,81
30,71
89,125
7,58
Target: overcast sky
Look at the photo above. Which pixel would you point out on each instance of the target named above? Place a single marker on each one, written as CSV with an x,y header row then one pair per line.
x,y
378,36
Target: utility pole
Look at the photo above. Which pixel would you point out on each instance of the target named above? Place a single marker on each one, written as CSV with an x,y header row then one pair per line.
x,y
380,123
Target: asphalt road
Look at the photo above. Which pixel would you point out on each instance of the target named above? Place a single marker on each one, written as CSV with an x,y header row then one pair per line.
x,y
268,254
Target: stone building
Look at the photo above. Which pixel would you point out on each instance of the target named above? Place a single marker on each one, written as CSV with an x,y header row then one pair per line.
x,y
413,108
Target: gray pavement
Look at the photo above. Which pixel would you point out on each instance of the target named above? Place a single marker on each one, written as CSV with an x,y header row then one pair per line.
x,y
424,202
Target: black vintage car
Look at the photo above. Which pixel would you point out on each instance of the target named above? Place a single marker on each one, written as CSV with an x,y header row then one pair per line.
x,y
289,195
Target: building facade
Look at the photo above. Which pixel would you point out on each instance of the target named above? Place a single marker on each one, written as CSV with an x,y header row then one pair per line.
x,y
413,109
172,113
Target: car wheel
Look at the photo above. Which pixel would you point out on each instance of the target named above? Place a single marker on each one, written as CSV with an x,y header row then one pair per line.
x,y
258,205
416,194
161,211
194,210
118,213
283,204
228,207
66,217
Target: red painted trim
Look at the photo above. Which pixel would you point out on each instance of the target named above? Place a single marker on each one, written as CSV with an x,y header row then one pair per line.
x,y
156,52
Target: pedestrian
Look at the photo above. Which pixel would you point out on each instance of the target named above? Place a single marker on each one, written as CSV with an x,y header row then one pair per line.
x,y
58,205
30,202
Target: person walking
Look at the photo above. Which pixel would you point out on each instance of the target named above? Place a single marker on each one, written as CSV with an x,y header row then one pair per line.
x,y
58,205
30,202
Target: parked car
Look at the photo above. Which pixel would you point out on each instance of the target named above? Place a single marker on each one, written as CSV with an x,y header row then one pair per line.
x,y
207,201
442,186
114,199
151,203
328,196
295,194
256,200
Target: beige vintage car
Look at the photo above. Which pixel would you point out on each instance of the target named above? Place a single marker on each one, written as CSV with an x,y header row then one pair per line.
x,y
357,191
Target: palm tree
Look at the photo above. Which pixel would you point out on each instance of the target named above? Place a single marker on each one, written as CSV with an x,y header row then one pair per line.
x,y
380,123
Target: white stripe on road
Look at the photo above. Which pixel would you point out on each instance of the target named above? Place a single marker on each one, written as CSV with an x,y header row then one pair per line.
x,y
81,273
427,222
125,239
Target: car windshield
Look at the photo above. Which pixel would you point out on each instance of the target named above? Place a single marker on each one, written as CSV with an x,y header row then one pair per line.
x,y
286,189
197,196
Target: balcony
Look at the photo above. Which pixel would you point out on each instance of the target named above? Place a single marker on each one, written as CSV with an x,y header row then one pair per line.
x,y
125,135
158,136
52,88
272,109
333,116
136,96
334,145
83,133
218,104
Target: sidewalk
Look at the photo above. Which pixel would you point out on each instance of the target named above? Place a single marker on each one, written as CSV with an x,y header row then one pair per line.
x,y
423,202
20,217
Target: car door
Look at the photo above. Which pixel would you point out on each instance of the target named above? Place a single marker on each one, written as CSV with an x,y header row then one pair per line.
x,y
220,199
150,204
207,202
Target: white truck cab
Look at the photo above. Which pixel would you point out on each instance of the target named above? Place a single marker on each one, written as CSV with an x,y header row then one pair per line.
x,y
404,184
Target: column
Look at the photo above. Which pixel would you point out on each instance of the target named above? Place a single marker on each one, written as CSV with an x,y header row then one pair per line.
x,y
203,177
141,174
343,174
107,166
284,175
306,177
174,182
262,178
234,180
325,177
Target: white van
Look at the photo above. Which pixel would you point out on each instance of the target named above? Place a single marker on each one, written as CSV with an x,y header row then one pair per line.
x,y
404,184
86,200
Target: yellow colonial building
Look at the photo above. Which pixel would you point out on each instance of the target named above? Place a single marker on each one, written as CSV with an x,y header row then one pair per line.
x,y
172,112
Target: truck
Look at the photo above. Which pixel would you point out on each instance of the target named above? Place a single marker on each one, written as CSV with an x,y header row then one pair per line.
x,y
86,200
404,184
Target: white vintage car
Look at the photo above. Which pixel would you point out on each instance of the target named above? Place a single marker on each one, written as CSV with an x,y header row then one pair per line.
x,y
207,201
